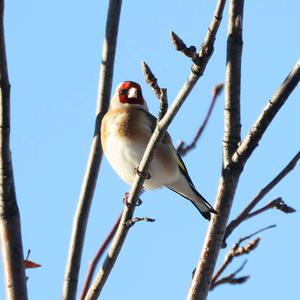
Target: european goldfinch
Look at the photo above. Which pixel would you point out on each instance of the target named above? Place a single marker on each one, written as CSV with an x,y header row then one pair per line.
x,y
125,132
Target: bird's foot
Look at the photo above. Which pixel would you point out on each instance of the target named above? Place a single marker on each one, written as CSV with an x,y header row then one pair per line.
x,y
125,201
141,174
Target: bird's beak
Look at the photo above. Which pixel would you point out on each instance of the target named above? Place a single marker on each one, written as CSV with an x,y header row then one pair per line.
x,y
132,93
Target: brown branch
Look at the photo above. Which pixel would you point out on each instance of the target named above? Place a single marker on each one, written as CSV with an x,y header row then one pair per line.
x,y
235,251
99,254
158,133
95,156
256,232
245,213
10,227
182,149
231,279
179,45
277,203
133,221
273,106
229,180
161,93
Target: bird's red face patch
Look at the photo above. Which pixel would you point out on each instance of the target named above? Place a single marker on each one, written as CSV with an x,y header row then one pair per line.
x,y
124,90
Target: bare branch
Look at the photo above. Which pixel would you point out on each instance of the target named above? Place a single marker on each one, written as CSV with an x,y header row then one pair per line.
x,y
235,251
229,180
179,45
181,148
231,172
273,106
232,122
10,227
97,258
277,203
95,156
231,279
132,221
245,213
161,93
159,132
256,232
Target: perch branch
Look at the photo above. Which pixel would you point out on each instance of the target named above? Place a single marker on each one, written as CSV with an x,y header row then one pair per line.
x,y
10,226
182,149
95,156
159,131
245,213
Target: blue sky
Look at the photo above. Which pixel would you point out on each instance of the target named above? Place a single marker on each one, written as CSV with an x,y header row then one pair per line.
x,y
54,52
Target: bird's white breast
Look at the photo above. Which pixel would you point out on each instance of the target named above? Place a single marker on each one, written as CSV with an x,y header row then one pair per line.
x,y
122,153
125,153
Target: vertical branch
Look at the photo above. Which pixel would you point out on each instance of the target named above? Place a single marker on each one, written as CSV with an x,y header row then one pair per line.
x,y
229,179
232,124
10,227
95,156
161,127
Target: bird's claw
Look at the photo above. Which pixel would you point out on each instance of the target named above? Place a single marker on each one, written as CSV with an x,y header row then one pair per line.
x,y
125,201
141,174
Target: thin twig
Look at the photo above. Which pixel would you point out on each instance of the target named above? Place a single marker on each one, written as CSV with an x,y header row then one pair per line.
x,y
256,232
231,279
244,214
95,156
182,149
97,258
10,227
277,203
179,45
235,251
132,221
159,131
161,93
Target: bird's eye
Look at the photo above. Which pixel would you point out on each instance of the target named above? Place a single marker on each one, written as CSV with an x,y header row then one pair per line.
x,y
123,92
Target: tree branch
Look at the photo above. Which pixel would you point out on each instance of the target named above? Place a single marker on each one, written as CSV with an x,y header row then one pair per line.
x,y
245,213
235,251
161,93
231,279
181,148
10,227
229,179
197,71
232,168
97,258
95,156
256,132
277,203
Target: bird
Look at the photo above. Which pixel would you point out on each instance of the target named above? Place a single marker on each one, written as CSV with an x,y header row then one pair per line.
x,y
126,129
